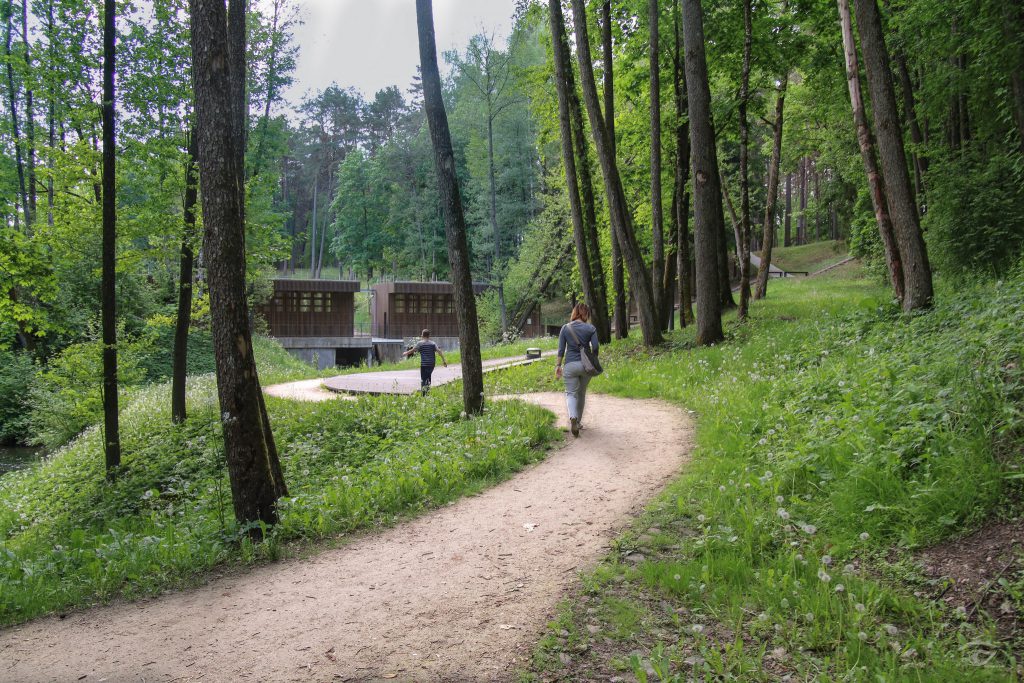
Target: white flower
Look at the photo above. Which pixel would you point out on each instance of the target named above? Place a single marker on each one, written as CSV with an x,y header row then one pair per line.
x,y
865,536
721,488
780,500
809,616
824,576
768,474
862,635
890,629
781,512
859,607
784,604
840,588
810,529
697,628
677,577
849,569
826,560
701,518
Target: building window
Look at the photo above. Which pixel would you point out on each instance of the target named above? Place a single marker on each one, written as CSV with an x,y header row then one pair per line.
x,y
449,301
425,304
399,303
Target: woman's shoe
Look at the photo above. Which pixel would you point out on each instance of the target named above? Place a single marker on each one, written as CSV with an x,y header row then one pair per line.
x,y
574,426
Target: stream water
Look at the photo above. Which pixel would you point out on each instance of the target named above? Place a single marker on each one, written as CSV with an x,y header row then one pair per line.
x,y
12,459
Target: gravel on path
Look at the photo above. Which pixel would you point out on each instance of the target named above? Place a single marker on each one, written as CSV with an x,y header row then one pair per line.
x,y
461,593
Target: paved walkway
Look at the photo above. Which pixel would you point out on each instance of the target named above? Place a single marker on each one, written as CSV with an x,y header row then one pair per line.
x,y
773,270
408,381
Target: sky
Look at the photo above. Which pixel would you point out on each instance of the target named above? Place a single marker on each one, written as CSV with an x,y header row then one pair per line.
x,y
371,44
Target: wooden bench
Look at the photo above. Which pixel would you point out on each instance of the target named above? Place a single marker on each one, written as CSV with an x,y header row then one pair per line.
x,y
533,352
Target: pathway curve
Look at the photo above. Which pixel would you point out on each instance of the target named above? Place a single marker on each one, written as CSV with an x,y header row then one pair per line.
x,y
405,381
459,594
408,381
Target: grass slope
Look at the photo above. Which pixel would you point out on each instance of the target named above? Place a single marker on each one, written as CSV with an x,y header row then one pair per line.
x,y
69,539
834,435
809,257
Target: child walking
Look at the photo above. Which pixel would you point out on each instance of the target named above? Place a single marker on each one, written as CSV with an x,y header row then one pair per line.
x,y
427,350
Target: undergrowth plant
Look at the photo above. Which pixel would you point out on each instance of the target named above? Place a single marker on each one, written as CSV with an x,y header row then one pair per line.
x,y
69,538
834,437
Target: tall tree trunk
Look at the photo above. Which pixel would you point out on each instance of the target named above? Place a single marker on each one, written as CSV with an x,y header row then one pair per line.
x,y
1014,28
218,77
30,125
313,225
111,427
707,207
910,111
787,235
819,232
802,217
657,224
682,177
743,243
454,220
599,293
621,319
179,369
51,115
494,222
724,272
622,219
565,86
237,37
12,101
917,275
866,141
768,228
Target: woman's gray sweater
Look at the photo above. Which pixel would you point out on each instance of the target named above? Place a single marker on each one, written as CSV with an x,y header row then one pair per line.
x,y
568,347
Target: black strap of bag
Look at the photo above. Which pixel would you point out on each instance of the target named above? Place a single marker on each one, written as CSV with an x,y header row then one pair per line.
x,y
591,365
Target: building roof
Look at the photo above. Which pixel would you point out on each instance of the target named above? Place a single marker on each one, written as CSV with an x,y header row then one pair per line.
x,y
289,285
407,287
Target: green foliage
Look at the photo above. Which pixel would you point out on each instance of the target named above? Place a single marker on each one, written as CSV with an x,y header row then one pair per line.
x,y
67,395
17,372
833,436
975,218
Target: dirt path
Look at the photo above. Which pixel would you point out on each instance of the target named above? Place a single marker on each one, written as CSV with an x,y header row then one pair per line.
x,y
459,594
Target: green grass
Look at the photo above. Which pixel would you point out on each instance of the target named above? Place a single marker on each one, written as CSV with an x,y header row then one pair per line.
x,y
809,257
834,436
69,539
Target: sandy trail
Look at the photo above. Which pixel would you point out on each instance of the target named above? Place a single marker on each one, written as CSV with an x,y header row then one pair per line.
x,y
459,594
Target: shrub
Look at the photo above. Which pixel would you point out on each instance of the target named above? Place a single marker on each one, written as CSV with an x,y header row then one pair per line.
x,y
975,219
16,377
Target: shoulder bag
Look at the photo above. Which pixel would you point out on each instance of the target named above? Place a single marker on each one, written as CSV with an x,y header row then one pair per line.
x,y
591,365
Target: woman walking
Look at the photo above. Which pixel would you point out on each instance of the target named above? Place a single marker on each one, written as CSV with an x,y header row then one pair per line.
x,y
576,333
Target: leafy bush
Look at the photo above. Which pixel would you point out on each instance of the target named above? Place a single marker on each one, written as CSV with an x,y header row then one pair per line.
x,y
68,394
16,377
975,218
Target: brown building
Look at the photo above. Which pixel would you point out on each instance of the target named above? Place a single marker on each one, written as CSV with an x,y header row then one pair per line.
x,y
404,309
314,320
